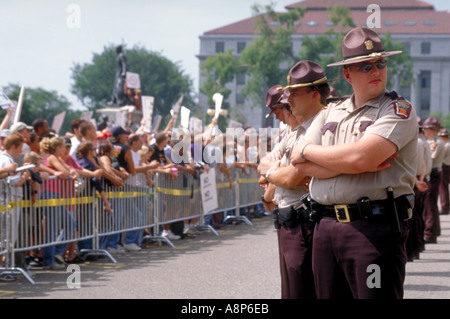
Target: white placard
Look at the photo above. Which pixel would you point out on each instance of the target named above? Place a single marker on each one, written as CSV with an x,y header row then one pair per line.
x,y
133,81
209,191
121,118
58,121
185,113
4,100
176,108
218,99
156,123
86,115
147,111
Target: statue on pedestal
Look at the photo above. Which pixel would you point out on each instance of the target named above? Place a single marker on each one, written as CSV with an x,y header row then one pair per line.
x,y
118,95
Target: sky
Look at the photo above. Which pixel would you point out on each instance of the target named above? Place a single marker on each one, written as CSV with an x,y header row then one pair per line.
x,y
42,39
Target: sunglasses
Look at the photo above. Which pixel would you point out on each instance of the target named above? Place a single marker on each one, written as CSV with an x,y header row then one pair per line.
x,y
366,67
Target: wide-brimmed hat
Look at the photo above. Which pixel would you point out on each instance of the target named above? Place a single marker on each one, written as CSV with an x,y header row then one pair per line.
x,y
431,123
275,98
362,44
305,73
443,132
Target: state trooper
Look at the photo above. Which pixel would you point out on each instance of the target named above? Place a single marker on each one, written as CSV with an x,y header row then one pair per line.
x,y
445,174
432,226
362,154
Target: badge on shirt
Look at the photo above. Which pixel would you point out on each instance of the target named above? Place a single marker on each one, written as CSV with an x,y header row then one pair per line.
x,y
402,109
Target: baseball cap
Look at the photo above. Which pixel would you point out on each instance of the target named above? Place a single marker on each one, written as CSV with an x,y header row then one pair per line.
x,y
117,130
19,126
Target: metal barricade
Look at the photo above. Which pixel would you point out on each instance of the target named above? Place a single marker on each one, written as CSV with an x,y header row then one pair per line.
x,y
64,211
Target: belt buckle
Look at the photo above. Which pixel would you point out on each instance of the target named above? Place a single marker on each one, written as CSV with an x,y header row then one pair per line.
x,y
342,213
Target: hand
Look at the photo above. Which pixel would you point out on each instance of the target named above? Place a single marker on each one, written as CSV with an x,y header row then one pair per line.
x,y
305,183
422,186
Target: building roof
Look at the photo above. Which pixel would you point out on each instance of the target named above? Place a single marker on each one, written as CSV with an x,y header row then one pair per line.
x,y
397,17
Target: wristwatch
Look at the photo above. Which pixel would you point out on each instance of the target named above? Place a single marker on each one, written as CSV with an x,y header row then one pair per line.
x,y
264,201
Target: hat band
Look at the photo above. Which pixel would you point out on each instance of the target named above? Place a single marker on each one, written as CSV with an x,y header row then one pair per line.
x,y
304,84
372,55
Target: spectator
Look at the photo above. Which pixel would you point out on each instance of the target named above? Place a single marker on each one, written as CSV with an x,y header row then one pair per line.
x,y
34,142
114,181
24,130
54,148
13,149
3,135
132,239
77,137
41,128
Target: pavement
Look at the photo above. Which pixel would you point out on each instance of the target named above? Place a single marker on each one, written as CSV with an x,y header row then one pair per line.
x,y
240,263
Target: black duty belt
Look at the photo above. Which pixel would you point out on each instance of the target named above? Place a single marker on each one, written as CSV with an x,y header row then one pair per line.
x,y
363,210
289,216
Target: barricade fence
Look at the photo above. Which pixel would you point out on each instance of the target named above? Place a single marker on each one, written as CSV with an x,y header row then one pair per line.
x,y
62,211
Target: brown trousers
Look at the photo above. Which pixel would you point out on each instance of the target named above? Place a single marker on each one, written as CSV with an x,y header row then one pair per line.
x,y
343,254
295,248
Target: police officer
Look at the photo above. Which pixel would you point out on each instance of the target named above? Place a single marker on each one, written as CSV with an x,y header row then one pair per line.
x,y
362,154
415,243
445,174
308,91
432,224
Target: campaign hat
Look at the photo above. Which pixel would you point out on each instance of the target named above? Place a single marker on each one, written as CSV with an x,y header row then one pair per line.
x,y
275,98
360,45
305,73
431,123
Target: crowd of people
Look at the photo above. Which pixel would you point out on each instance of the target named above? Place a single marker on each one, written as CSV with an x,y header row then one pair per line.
x,y
114,156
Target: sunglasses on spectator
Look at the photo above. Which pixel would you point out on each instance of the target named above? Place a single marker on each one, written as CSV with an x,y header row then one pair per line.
x,y
367,67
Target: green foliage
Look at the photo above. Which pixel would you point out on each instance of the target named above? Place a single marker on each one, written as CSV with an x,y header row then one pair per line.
x,y
39,103
160,78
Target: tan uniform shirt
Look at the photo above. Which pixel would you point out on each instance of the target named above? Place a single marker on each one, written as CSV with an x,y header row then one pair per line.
x,y
447,153
285,197
437,149
426,154
395,120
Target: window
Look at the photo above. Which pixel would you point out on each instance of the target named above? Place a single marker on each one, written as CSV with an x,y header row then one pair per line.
x,y
241,46
240,98
407,46
240,79
220,47
409,23
390,23
425,47
429,22
425,90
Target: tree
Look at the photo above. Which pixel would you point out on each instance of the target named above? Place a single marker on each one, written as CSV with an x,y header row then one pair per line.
x,y
160,78
219,70
40,103
270,56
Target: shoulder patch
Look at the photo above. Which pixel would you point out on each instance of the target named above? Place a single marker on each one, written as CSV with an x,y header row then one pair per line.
x,y
402,109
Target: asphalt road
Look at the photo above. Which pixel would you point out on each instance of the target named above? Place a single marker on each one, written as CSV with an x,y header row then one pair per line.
x,y
240,263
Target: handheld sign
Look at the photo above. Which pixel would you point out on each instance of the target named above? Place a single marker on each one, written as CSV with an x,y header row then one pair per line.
x,y
185,113
147,111
4,100
209,191
58,121
176,107
133,81
218,99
